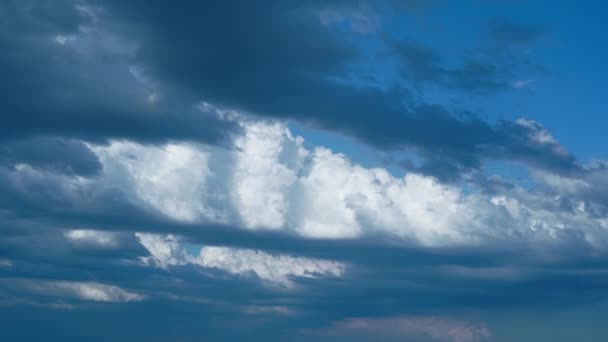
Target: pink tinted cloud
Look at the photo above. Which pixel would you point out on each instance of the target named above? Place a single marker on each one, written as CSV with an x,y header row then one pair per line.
x,y
431,327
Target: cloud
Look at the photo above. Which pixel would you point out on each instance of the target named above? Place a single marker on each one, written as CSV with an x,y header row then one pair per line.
x,y
118,67
519,84
164,250
252,68
344,240
170,179
431,328
264,174
84,291
272,310
96,292
149,180
85,89
274,269
67,156
92,237
583,191
530,142
361,20
271,181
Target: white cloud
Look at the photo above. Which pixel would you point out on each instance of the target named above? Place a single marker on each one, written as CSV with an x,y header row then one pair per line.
x,y
171,179
519,84
339,199
92,237
540,135
97,292
562,184
262,177
86,291
271,181
167,251
273,268
164,250
62,39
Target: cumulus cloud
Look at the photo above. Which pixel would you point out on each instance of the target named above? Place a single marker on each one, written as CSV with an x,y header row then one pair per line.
x,y
171,178
271,181
266,164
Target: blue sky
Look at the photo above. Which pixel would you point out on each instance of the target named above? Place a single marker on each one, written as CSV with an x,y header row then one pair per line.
x,y
429,171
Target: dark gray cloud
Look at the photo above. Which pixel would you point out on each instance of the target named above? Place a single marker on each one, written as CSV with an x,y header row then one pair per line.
x,y
191,302
61,155
72,74
279,60
522,140
66,78
585,188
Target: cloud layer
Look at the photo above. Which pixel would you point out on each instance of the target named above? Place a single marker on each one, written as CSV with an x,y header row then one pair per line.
x,y
198,171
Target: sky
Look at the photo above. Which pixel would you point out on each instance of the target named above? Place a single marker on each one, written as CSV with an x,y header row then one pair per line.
x,y
387,170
